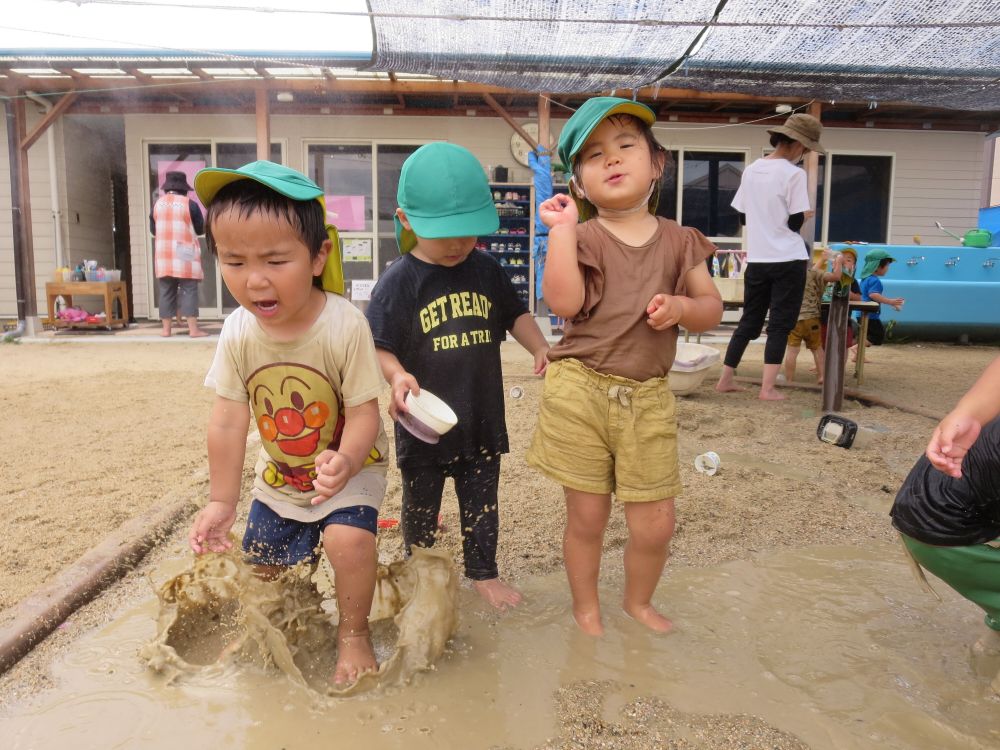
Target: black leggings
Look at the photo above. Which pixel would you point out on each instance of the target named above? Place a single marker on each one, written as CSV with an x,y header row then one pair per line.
x,y
774,290
476,483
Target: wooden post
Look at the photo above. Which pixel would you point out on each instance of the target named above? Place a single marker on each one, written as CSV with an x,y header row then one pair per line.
x,y
543,123
808,230
24,252
263,125
836,351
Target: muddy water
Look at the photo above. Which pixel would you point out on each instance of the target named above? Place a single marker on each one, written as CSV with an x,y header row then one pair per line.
x,y
836,646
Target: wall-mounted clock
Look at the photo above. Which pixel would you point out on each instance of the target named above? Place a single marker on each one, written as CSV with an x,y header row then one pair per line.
x,y
519,147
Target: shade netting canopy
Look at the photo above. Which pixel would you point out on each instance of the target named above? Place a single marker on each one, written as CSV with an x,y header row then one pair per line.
x,y
938,53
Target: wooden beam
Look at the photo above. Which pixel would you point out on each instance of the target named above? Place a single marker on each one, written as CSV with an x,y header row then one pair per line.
x,y
544,123
26,267
50,117
263,124
808,230
510,120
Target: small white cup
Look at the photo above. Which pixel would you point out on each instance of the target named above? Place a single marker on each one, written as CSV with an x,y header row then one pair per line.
x,y
708,463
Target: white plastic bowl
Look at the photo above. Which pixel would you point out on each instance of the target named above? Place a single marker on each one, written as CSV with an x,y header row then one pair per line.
x,y
430,412
691,364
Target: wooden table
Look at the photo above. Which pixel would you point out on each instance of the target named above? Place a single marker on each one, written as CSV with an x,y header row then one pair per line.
x,y
112,291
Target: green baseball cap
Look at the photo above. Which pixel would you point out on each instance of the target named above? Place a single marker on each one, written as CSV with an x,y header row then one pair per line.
x,y
289,183
281,179
578,128
444,193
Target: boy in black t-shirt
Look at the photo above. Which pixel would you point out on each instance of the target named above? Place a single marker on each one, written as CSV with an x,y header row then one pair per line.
x,y
438,315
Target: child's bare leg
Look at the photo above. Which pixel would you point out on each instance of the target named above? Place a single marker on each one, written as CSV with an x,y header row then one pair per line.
x,y
791,357
767,390
819,357
650,528
497,594
352,556
586,518
726,381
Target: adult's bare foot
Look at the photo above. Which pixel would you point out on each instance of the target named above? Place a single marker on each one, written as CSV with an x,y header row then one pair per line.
x,y
355,657
497,594
771,394
726,384
649,617
589,622
197,333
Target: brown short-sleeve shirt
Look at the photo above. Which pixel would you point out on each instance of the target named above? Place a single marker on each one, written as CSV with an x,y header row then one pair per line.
x,y
610,333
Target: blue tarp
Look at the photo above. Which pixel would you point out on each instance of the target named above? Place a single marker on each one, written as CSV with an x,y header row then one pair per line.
x,y
541,166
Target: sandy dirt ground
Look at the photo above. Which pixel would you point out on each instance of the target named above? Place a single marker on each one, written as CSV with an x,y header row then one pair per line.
x,y
98,433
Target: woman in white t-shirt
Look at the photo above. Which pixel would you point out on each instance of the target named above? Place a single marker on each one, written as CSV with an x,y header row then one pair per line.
x,y
773,203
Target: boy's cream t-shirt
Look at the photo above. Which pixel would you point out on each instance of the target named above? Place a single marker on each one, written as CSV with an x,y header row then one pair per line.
x,y
297,393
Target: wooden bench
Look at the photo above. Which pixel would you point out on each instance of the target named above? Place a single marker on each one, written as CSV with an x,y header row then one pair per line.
x,y
112,291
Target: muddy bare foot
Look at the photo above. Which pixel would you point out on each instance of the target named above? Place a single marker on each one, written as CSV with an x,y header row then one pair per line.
x,y
497,594
355,657
771,394
589,622
646,615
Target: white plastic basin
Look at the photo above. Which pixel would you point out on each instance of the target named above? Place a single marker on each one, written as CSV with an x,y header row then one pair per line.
x,y
691,364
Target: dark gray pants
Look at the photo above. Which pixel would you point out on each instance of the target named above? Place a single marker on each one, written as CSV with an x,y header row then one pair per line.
x,y
772,290
177,294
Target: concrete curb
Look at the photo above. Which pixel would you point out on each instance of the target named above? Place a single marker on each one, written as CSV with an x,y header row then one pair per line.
x,y
79,583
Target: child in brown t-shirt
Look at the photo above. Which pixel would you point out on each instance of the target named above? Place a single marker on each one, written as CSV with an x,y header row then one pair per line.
x,y
624,280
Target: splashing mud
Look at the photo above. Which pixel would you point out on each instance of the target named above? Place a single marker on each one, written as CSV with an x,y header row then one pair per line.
x,y
218,613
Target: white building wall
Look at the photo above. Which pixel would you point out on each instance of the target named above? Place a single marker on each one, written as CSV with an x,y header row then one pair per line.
x,y
937,175
8,296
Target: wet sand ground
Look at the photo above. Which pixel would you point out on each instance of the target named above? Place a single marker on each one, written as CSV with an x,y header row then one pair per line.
x,y
100,433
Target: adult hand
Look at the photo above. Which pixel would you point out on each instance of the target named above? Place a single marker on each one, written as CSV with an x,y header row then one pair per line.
x,y
210,530
950,442
559,210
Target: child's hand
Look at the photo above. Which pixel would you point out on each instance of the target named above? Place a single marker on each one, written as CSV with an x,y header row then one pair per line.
x,y
950,442
210,530
402,383
664,311
541,360
333,470
559,210
896,303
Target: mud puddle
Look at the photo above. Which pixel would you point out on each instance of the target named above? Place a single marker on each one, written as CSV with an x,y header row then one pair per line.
x,y
835,646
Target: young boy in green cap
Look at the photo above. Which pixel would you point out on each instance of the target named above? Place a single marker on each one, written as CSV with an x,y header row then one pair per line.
x,y
302,357
439,314
624,280
876,265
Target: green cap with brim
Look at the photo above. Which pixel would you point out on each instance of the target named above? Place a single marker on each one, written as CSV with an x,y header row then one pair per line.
x,y
578,128
874,258
289,183
444,193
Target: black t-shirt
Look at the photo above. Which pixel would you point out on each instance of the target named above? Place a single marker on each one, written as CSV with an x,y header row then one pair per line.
x,y
445,325
938,509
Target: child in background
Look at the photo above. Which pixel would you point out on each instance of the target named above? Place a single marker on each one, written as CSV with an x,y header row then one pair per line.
x,y
304,361
624,280
948,509
808,329
439,314
876,266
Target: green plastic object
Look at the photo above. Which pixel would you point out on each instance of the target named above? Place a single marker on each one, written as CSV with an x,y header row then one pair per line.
x,y
977,238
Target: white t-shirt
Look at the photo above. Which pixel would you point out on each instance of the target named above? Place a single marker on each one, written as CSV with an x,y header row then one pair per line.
x,y
297,391
772,190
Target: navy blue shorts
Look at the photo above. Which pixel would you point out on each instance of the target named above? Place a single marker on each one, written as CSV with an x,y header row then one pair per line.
x,y
272,540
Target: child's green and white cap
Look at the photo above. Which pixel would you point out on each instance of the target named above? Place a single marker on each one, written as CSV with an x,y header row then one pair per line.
x,y
578,128
444,193
874,258
287,182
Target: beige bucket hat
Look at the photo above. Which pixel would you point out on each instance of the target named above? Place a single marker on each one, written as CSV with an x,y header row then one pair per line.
x,y
803,128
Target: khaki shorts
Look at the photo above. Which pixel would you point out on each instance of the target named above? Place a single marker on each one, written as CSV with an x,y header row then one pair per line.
x,y
603,433
807,330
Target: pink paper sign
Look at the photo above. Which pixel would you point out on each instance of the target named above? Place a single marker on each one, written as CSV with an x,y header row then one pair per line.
x,y
346,212
189,168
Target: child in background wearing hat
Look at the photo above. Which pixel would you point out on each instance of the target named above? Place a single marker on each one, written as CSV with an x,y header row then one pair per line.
x,y
809,328
624,280
302,357
773,203
948,509
439,314
876,266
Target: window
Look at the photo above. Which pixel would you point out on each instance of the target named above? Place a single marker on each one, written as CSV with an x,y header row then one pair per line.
x,y
860,188
699,187
360,182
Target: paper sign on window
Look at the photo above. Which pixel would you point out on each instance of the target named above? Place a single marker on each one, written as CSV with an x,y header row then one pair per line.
x,y
357,250
361,289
